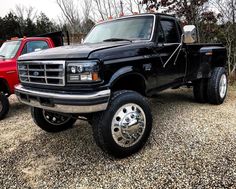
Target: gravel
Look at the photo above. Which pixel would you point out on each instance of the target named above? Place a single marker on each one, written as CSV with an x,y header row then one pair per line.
x,y
191,146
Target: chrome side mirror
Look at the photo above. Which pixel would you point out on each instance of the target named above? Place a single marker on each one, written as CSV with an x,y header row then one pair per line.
x,y
82,41
38,49
190,34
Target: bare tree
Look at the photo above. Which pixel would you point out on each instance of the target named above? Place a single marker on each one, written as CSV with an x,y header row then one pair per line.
x,y
99,8
71,13
114,8
87,9
134,6
227,10
25,12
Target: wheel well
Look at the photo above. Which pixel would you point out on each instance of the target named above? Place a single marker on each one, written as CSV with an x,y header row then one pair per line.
x,y
133,82
4,86
219,61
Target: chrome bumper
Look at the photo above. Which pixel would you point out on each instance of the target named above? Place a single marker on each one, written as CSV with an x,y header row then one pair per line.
x,y
65,103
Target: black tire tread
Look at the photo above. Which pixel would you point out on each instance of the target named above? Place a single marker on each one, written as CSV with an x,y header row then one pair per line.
x,y
200,90
101,118
97,119
213,86
5,104
39,120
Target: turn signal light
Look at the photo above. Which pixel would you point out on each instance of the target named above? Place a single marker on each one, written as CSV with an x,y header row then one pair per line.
x,y
95,76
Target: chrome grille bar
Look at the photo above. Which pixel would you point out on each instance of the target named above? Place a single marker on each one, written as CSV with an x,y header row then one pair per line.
x,y
42,72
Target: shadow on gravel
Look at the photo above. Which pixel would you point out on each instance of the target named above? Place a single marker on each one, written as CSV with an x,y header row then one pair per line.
x,y
47,154
184,95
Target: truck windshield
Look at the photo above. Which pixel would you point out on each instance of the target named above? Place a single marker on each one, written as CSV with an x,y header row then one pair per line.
x,y
133,28
9,49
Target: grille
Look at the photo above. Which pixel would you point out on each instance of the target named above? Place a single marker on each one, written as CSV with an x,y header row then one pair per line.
x,y
42,72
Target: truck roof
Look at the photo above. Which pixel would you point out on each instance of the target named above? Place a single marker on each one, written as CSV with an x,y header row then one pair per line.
x,y
136,15
27,38
162,14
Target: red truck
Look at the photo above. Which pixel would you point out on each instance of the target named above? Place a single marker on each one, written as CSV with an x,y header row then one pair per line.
x,y
9,53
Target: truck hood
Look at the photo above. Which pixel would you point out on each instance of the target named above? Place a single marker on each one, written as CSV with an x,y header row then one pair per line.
x,y
81,51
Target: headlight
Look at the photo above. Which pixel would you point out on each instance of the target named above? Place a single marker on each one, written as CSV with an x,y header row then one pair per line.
x,y
82,71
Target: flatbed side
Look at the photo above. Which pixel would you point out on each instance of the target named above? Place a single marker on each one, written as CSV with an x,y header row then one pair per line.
x,y
201,58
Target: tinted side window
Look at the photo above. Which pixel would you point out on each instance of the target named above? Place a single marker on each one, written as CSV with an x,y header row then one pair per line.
x,y
170,31
161,36
31,46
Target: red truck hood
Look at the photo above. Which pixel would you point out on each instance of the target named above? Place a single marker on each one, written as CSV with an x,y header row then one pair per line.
x,y
81,51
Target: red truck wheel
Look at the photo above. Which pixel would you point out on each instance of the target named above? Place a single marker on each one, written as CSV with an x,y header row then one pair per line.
x,y
4,105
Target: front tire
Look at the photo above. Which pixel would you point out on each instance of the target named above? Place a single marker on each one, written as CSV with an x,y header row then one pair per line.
x,y
125,126
51,121
4,105
217,86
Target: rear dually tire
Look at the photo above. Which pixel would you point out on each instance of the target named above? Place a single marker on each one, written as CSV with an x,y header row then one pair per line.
x,y
217,86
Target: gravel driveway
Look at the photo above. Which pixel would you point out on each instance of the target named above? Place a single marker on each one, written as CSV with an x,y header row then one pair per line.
x,y
192,146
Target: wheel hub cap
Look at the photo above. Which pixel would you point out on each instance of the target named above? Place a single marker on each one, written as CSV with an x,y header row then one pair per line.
x,y
128,125
223,86
55,118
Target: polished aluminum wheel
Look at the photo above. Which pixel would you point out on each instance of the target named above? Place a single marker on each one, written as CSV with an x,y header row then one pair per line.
x,y
223,86
128,125
55,118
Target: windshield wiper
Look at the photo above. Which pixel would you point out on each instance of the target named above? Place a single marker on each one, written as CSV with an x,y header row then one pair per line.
x,y
2,56
116,39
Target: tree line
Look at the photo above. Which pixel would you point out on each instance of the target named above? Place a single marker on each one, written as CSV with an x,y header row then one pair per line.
x,y
17,25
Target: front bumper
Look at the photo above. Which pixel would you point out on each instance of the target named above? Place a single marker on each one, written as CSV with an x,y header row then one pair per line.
x,y
64,102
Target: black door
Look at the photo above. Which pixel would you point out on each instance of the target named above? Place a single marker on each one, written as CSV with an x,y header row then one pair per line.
x,y
169,62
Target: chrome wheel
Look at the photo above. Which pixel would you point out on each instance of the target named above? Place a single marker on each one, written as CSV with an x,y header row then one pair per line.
x,y
128,125
223,86
55,118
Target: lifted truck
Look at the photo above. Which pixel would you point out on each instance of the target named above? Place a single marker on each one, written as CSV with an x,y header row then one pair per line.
x,y
106,79
9,52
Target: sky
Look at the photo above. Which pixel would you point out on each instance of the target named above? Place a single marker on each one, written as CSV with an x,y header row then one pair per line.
x,y
49,7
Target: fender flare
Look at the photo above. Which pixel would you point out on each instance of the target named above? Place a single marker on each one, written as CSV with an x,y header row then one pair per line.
x,y
212,56
123,72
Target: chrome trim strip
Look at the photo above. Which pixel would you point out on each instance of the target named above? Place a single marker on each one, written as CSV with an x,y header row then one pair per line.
x,y
11,72
65,108
88,96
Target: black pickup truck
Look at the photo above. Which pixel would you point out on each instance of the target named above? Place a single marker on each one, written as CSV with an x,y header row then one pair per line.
x,y
106,79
